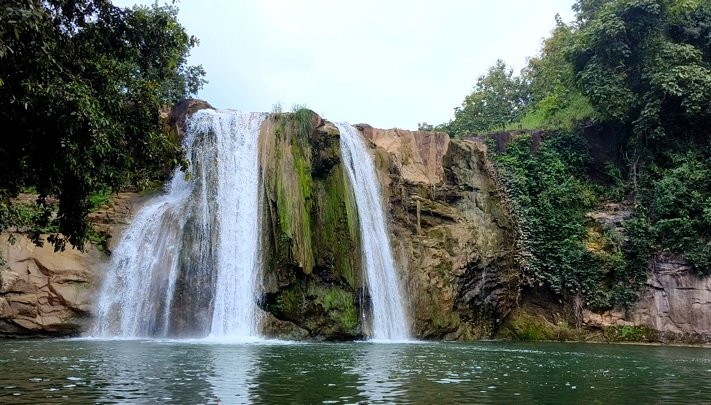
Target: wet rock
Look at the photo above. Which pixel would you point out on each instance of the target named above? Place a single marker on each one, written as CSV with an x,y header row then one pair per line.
x,y
277,328
176,118
452,239
310,243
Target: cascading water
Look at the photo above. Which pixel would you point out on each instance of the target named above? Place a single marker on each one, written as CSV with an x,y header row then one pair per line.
x,y
389,320
188,263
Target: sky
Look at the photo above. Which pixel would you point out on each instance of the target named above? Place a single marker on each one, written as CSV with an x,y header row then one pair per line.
x,y
389,63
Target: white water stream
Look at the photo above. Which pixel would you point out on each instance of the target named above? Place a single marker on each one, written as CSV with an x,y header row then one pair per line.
x,y
389,320
187,264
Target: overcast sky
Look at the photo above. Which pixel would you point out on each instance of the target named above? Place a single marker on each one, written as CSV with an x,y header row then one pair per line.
x,y
390,63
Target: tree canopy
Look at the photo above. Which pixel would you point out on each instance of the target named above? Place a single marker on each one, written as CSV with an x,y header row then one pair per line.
x,y
81,86
646,63
498,99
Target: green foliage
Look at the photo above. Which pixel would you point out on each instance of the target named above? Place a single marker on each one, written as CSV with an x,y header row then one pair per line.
x,y
543,96
551,195
639,68
532,120
638,250
99,199
630,333
555,100
498,99
32,218
551,199
423,126
302,117
643,64
615,189
678,202
82,85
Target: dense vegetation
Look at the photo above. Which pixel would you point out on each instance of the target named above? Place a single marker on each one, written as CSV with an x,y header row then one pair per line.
x,y
639,70
81,86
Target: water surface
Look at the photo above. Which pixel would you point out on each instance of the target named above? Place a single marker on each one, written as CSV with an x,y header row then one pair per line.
x,y
175,372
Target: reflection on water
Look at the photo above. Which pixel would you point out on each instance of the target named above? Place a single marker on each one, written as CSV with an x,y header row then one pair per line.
x,y
380,372
233,372
199,372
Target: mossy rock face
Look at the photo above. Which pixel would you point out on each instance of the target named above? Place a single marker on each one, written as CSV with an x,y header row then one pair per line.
x,y
311,245
631,333
522,325
325,311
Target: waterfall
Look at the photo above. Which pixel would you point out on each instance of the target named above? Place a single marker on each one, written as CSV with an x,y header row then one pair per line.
x,y
389,320
187,264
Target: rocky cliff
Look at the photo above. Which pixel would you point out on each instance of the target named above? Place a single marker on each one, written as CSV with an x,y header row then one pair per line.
x,y
42,292
675,302
311,248
452,240
674,306
48,293
452,236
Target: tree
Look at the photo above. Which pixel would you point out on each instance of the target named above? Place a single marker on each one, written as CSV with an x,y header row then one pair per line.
x,y
646,63
423,126
498,99
555,99
81,86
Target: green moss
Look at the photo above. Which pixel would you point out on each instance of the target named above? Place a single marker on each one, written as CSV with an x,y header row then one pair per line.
x,y
340,307
441,318
289,302
288,175
336,221
303,169
313,226
529,327
630,333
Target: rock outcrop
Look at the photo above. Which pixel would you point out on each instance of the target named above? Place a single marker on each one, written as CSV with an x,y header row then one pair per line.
x,y
48,293
675,302
43,292
451,237
175,119
311,246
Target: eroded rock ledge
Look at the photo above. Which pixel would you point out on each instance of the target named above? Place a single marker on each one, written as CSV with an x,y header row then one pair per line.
x,y
48,293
